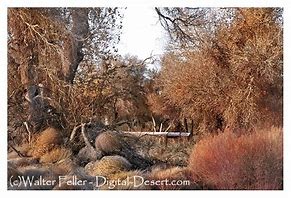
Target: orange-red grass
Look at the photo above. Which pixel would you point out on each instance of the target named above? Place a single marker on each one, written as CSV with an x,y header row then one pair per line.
x,y
253,161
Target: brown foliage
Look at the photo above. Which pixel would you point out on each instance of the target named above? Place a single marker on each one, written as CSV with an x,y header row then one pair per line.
x,y
45,48
55,155
235,78
251,161
45,142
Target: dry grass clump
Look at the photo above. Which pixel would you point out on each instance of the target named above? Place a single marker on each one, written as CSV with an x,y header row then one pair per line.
x,y
253,161
108,165
117,143
89,167
46,141
109,142
56,155
64,166
87,154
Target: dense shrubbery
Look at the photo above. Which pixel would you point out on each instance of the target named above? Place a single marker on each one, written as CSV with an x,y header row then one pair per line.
x,y
249,161
235,78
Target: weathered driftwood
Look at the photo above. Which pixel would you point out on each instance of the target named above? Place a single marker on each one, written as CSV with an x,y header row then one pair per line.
x,y
167,134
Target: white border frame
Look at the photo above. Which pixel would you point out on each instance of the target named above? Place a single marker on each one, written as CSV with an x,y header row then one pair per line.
x,y
158,3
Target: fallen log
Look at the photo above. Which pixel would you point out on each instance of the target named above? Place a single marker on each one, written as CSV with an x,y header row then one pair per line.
x,y
167,134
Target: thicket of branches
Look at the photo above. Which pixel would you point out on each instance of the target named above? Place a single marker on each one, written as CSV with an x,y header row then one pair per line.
x,y
222,68
64,70
234,77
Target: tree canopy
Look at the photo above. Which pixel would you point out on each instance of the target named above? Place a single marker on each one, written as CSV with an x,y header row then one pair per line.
x,y
223,67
